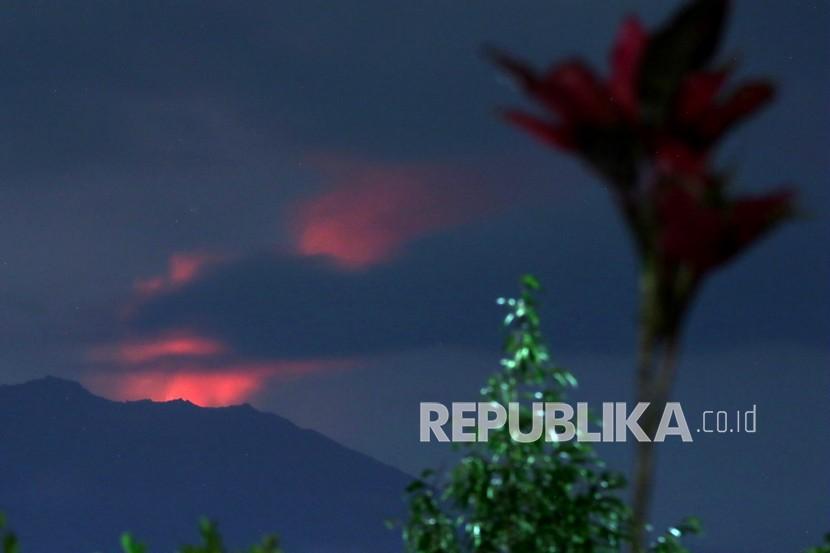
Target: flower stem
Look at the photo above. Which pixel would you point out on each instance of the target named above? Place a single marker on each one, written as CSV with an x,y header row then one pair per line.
x,y
654,388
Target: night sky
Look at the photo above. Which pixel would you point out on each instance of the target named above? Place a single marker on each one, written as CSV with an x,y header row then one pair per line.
x,y
312,206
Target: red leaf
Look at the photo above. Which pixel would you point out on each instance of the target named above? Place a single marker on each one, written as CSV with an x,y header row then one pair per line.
x,y
741,104
626,56
752,217
558,136
690,230
697,95
703,236
577,95
674,157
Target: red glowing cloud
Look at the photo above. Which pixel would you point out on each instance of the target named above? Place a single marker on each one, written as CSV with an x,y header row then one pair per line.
x,y
185,365
175,344
374,209
182,268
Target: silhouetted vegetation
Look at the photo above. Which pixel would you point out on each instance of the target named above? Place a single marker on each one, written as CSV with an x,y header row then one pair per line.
x,y
211,542
823,548
525,497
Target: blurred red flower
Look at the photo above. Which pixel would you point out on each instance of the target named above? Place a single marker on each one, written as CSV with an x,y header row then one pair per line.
x,y
650,128
579,100
702,233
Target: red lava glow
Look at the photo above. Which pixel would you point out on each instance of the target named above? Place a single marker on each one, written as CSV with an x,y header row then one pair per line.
x,y
146,350
211,389
182,268
207,386
377,208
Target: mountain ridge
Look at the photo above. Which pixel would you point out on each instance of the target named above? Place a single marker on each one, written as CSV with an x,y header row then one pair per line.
x,y
77,469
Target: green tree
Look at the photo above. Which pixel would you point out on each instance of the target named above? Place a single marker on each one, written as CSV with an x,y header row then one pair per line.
x,y
540,497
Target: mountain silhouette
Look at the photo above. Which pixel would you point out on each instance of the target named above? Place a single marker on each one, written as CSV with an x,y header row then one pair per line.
x,y
76,470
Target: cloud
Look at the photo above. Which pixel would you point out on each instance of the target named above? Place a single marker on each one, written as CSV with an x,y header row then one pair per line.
x,y
286,306
182,267
373,209
396,268
441,291
182,364
362,219
169,345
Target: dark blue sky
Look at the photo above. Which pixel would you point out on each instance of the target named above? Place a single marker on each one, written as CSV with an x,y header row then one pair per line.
x,y
170,171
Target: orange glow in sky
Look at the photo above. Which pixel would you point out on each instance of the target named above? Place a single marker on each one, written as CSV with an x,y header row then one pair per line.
x,y
376,208
364,225
151,349
208,386
182,268
208,389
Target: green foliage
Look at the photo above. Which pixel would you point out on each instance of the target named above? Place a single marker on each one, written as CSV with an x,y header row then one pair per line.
x,y
130,545
211,542
543,496
823,548
670,541
9,540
